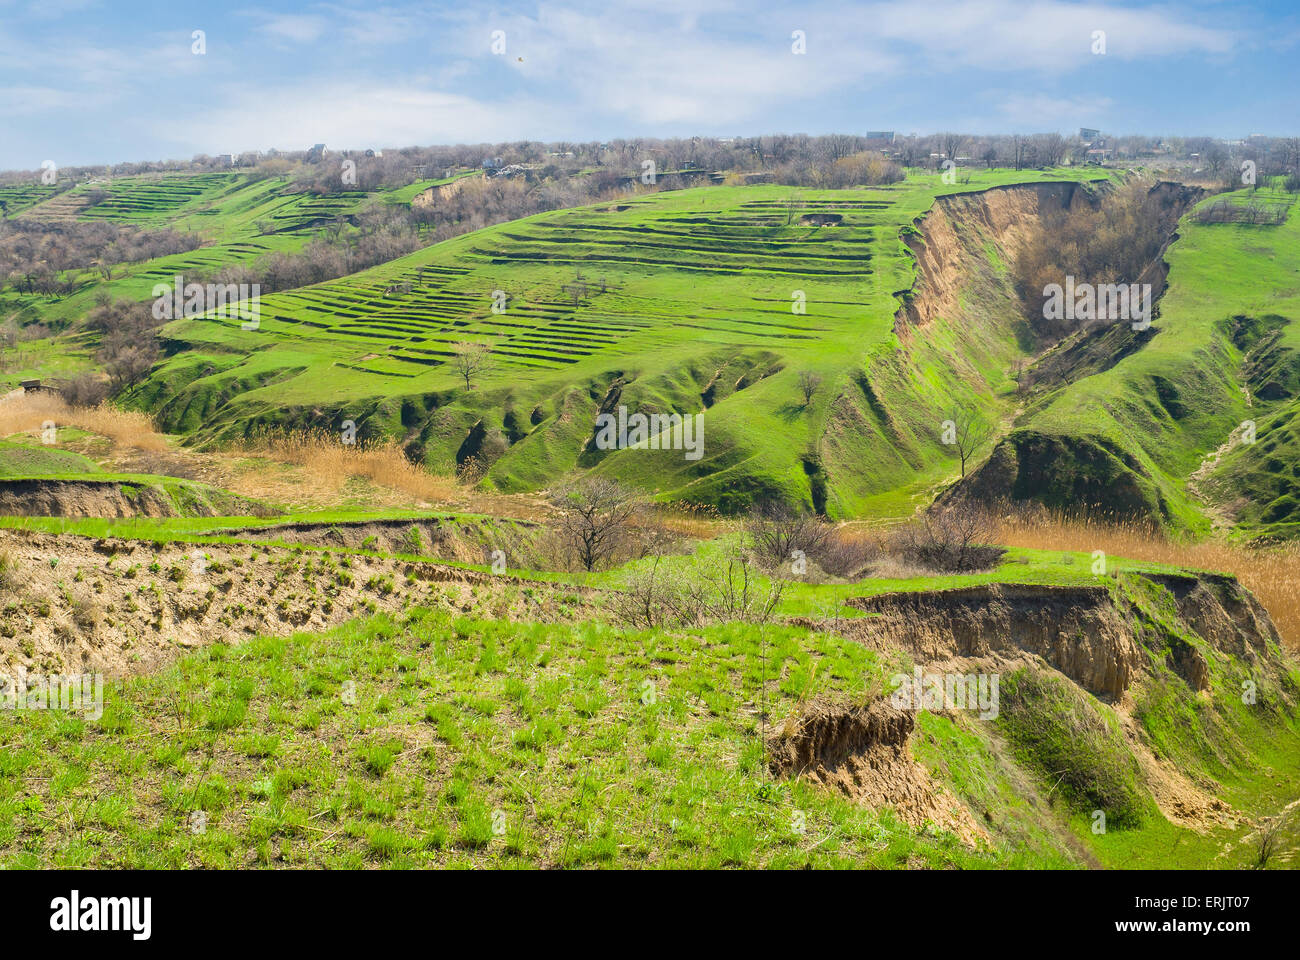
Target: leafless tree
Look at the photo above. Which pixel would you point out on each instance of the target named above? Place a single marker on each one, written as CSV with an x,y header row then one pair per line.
x,y
950,143
9,335
470,360
808,384
967,434
128,365
729,591
1051,147
951,539
1270,840
594,514
777,531
1019,148
85,390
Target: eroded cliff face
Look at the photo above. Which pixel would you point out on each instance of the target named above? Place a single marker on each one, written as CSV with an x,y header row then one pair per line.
x,y
1167,657
958,331
1071,473
952,245
1105,638
1076,630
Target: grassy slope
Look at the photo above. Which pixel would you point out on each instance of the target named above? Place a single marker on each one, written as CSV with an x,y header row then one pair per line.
x,y
1216,272
238,218
698,291
452,721
25,460
397,742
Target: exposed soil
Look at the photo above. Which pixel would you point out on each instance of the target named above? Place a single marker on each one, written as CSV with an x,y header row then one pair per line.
x,y
93,497
1086,633
863,752
81,498
1007,216
1077,630
69,604
1092,635
459,539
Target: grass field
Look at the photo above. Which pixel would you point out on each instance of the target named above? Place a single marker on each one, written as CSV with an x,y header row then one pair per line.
x,y
432,738
238,218
683,302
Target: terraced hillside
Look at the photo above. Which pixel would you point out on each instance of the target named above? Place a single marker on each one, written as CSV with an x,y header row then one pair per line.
x,y
16,198
239,218
684,302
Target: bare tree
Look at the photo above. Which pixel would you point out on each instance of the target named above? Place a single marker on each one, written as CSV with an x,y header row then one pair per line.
x,y
1052,147
9,335
1270,840
731,592
808,384
577,291
471,359
950,143
128,365
593,517
778,532
952,539
965,434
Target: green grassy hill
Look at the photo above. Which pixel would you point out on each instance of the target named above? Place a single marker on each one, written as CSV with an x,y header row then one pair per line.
x,y
682,302
676,302
1221,352
444,733
239,219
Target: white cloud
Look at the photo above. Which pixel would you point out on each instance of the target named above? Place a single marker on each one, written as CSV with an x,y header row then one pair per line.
x,y
296,28
693,63
345,115
33,100
1046,35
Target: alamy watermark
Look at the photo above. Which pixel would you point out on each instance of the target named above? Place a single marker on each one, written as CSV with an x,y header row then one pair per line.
x,y
72,692
75,913
946,691
655,431
1101,301
234,301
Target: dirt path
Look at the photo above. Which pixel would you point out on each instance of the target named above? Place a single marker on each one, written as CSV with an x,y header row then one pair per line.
x,y
1220,521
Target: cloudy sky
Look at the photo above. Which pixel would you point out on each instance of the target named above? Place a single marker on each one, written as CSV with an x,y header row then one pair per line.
x,y
93,82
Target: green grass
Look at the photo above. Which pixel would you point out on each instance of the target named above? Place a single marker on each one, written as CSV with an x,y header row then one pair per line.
x,y
459,742
1180,397
438,739
434,739
695,313
188,498
1068,738
24,460
238,218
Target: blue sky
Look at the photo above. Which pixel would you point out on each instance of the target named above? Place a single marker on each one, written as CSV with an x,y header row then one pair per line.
x,y
93,82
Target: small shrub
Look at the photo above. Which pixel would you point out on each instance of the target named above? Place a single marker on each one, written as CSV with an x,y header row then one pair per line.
x,y
948,539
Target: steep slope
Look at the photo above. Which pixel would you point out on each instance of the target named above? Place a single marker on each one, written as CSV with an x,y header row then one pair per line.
x,y
1125,418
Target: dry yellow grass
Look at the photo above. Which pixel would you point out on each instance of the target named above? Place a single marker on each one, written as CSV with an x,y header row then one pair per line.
x,y
1268,572
334,463
22,412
